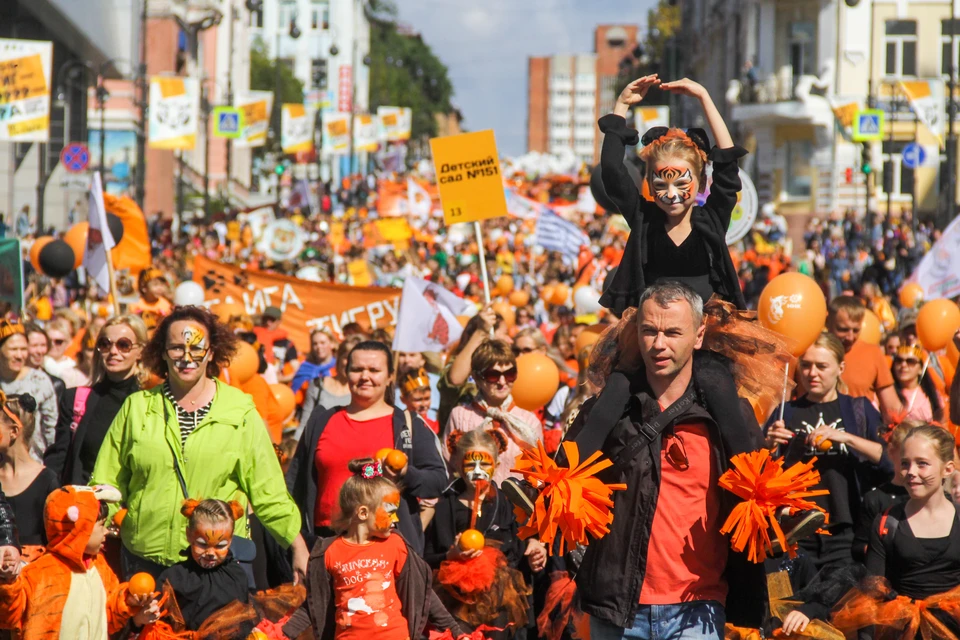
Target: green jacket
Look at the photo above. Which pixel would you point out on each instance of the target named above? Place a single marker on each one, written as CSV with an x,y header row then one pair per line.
x,y
228,456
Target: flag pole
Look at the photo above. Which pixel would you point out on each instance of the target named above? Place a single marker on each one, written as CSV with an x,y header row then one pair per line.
x,y
483,262
113,284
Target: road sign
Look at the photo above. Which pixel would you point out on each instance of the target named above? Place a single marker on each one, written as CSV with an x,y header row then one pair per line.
x,y
75,181
227,122
913,156
868,125
75,157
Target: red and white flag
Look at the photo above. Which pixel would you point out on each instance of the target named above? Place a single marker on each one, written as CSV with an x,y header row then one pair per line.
x,y
99,238
428,317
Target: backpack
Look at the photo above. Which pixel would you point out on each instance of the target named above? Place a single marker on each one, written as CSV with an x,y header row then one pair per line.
x,y
888,529
79,408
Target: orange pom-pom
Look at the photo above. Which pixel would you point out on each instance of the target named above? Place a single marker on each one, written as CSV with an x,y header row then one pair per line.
x,y
471,540
141,584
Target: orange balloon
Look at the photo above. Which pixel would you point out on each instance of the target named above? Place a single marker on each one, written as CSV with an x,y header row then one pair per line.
x,y
76,237
226,310
38,244
793,305
937,321
141,584
519,298
244,364
586,339
537,381
911,295
471,540
870,331
396,460
507,312
560,294
505,285
285,398
546,294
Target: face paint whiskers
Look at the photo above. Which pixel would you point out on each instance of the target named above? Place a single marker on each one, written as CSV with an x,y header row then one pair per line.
x,y
681,181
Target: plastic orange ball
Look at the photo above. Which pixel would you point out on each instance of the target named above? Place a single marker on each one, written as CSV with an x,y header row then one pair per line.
x,y
870,331
244,364
141,584
537,381
793,305
937,321
471,540
396,459
911,295
35,249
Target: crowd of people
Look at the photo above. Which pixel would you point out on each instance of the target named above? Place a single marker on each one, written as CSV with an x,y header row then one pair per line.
x,y
145,492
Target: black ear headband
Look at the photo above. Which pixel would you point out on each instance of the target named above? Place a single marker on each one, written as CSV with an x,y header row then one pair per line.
x,y
698,135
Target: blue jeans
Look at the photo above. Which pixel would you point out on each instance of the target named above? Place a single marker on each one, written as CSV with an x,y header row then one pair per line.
x,y
700,620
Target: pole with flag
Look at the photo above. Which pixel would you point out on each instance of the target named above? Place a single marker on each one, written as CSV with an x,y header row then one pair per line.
x,y
97,260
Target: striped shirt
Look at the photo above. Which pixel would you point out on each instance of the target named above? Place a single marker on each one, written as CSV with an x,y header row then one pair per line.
x,y
188,420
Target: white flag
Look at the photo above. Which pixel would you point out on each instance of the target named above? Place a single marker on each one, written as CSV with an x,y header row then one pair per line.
x,y
428,317
419,200
939,271
99,238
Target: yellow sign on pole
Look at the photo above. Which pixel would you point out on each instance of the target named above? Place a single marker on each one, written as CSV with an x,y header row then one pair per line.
x,y
468,176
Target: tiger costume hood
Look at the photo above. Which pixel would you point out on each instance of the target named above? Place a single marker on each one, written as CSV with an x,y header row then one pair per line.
x,y
70,514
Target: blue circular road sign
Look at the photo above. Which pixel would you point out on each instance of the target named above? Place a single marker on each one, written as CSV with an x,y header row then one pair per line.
x,y
75,157
913,156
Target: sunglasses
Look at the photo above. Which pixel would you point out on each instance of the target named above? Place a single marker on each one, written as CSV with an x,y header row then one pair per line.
x,y
910,361
59,342
492,376
123,345
519,352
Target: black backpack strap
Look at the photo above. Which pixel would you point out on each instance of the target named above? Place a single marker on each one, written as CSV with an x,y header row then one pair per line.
x,y
651,429
888,531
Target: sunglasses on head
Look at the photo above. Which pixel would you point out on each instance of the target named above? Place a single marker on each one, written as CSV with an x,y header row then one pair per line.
x,y
910,361
124,345
492,376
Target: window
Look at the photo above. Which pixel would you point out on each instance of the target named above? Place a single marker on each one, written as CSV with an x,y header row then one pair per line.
x,y
803,48
797,176
949,41
256,19
901,47
897,179
320,15
288,12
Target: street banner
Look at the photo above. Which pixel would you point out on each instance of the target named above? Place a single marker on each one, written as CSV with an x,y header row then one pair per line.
x,y
395,123
174,112
928,100
428,317
336,133
388,231
25,71
401,200
305,305
365,133
648,117
11,274
255,108
99,238
418,200
296,129
468,174
939,270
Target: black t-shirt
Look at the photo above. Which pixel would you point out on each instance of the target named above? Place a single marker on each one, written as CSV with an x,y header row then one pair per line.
x,y
875,503
837,473
918,567
28,507
688,262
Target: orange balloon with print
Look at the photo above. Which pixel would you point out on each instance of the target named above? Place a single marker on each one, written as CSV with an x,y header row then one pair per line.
x,y
506,312
35,249
76,237
793,305
141,584
560,294
911,295
285,398
471,540
937,322
870,331
245,363
519,298
504,285
537,381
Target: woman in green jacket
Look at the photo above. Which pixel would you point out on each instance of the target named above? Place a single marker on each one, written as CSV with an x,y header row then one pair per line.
x,y
191,435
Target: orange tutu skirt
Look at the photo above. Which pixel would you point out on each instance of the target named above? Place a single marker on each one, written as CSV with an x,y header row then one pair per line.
x,y
895,617
479,590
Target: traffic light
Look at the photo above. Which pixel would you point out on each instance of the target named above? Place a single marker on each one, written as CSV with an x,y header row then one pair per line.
x,y
866,157
280,168
848,175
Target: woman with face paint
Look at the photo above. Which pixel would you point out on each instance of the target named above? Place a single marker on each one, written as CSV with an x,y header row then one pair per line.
x,y
475,492
672,238
192,436
366,581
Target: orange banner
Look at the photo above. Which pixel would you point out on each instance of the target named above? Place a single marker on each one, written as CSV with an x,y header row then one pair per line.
x,y
305,305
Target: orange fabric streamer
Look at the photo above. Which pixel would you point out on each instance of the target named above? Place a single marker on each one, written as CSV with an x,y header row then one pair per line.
x,y
765,488
895,618
559,608
572,499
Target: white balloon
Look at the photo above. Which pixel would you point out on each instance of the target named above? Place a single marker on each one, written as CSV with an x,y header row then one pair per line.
x,y
586,300
188,293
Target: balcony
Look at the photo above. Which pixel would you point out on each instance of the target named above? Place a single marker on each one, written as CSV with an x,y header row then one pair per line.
x,y
780,98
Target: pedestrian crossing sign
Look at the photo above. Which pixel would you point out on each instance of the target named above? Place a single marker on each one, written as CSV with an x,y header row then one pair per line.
x,y
868,125
227,122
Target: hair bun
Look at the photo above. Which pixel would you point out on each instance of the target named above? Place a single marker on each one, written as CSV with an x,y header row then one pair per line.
x,y
27,402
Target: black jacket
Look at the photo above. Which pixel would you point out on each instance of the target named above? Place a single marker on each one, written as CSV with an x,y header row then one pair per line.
x,y
202,592
496,522
711,220
611,575
426,474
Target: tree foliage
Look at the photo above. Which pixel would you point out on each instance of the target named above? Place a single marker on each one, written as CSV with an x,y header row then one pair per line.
x,y
404,72
658,47
263,77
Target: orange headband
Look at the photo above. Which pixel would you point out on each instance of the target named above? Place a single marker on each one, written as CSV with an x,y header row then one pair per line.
x,y
8,411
